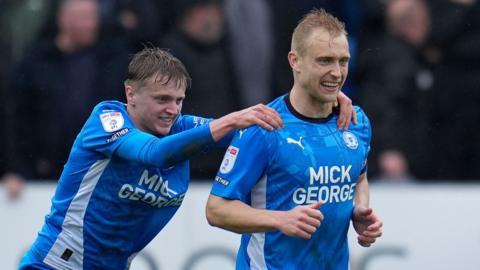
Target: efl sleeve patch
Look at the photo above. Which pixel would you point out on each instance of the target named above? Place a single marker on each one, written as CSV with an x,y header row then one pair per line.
x,y
229,159
112,121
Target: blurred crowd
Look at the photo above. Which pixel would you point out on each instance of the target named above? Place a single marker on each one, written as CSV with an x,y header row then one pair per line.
x,y
415,70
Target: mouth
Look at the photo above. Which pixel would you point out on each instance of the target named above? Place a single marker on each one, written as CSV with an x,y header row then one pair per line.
x,y
331,86
166,120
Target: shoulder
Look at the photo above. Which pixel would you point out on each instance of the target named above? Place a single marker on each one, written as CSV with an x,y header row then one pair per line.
x,y
361,116
110,105
110,108
278,103
256,139
363,127
251,133
112,115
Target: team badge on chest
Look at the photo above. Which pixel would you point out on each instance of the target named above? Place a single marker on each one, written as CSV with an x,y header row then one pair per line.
x,y
350,140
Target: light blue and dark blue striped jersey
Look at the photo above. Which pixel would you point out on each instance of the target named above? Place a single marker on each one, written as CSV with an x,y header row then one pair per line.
x,y
119,188
309,160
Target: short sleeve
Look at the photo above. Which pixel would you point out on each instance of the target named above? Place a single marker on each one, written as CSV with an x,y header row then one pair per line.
x,y
366,135
243,165
107,127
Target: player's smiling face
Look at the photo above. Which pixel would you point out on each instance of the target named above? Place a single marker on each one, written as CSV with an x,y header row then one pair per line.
x,y
155,106
323,67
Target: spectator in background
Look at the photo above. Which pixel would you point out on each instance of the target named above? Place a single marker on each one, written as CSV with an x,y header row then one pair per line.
x,y
419,84
199,40
394,77
455,45
139,21
19,24
393,167
13,185
58,82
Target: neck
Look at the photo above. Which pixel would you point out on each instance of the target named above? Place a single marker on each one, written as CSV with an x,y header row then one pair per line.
x,y
133,117
308,106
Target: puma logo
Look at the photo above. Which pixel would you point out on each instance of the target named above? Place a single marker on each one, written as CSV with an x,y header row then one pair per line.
x,y
240,132
299,142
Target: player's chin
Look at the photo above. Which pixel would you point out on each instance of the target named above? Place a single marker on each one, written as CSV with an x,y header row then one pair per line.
x,y
163,130
328,94
328,98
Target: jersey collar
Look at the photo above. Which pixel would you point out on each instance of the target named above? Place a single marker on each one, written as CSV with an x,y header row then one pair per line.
x,y
306,118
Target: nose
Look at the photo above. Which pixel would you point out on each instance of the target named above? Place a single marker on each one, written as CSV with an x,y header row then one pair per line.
x,y
172,108
336,70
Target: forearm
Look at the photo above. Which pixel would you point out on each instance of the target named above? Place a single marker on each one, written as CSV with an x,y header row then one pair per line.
x,y
365,222
166,151
222,127
238,217
260,114
362,194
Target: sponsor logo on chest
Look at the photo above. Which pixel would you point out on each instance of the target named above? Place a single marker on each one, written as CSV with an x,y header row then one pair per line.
x,y
328,184
152,190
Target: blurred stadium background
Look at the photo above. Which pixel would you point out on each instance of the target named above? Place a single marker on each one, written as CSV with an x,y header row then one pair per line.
x,y
415,70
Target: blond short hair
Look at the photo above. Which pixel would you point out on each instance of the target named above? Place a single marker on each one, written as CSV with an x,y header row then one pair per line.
x,y
316,18
153,61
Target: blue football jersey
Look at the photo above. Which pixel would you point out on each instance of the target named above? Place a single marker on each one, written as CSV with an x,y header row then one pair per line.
x,y
106,208
309,160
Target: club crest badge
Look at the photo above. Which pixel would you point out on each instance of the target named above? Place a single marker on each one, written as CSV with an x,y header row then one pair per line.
x,y
229,159
350,140
112,121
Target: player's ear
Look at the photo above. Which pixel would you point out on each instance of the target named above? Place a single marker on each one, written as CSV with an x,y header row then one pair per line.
x,y
293,60
130,94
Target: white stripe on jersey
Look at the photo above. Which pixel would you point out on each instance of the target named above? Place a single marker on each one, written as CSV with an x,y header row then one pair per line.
x,y
255,248
131,257
71,236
